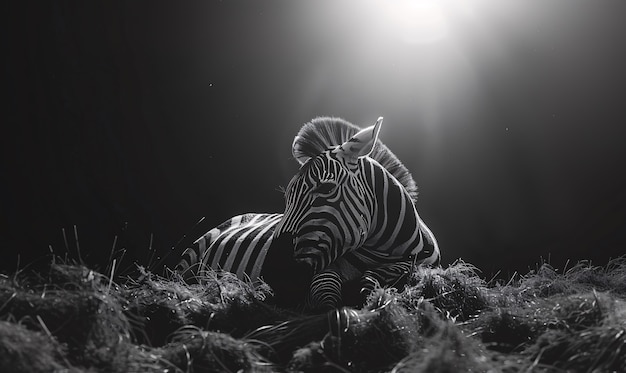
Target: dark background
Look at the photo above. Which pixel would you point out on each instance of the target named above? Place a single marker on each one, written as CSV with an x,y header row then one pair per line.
x,y
137,119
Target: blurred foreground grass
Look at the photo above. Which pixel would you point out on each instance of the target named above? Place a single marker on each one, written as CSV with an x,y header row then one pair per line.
x,y
67,317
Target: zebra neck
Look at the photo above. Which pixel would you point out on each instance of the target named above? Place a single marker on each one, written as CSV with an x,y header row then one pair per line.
x,y
395,225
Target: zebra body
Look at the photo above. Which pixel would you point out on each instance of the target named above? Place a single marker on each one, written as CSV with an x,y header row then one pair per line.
x,y
238,245
350,216
246,246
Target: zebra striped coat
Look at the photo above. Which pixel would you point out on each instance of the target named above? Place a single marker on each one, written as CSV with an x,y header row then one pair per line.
x,y
350,216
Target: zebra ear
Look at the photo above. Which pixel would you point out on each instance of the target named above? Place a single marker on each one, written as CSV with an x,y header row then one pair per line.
x,y
362,143
297,152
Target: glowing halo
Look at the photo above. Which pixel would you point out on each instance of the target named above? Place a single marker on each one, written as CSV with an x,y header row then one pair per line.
x,y
414,21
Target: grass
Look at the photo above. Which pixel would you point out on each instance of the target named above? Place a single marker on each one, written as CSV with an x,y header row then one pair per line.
x,y
67,317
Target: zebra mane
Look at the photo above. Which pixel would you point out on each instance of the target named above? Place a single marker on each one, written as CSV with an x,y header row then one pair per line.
x,y
323,133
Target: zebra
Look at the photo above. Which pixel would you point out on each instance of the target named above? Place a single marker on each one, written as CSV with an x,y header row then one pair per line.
x,y
245,246
350,217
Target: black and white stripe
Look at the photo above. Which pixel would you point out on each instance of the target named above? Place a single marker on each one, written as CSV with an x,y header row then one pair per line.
x,y
239,245
245,245
351,218
347,218
365,228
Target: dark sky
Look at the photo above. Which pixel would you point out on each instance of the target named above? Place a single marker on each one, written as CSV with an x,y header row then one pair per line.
x,y
138,118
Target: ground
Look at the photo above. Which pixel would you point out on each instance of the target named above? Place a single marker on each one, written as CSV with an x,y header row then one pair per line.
x,y
67,317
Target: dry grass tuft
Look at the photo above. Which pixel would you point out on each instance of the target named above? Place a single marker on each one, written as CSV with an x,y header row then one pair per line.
x,y
25,350
457,291
67,317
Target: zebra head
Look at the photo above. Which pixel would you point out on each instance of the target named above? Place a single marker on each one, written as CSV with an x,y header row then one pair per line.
x,y
329,205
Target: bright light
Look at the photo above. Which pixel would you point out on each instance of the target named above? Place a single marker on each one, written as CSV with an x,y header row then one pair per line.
x,y
416,59
415,21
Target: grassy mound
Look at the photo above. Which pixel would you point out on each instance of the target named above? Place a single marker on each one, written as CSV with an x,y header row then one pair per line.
x,y
67,317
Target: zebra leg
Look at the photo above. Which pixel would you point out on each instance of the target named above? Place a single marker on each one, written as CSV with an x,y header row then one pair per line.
x,y
325,292
389,275
326,287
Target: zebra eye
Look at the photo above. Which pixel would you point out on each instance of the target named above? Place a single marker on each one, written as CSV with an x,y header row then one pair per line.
x,y
324,188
